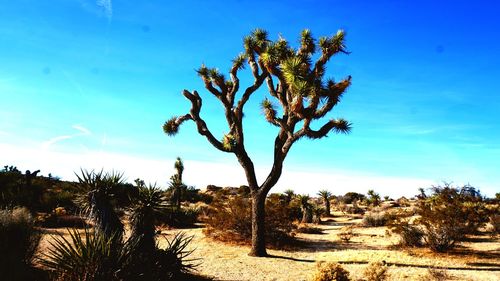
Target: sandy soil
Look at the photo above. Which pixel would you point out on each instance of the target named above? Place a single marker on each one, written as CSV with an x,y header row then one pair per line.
x,y
231,262
478,259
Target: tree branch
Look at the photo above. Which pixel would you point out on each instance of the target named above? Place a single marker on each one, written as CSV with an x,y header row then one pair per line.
x,y
203,130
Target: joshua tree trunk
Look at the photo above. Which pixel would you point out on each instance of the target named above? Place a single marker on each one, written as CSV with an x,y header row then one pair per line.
x,y
327,207
258,226
306,215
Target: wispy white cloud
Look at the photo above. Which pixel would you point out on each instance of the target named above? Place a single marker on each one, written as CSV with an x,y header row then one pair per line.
x,y
54,140
82,132
98,8
107,8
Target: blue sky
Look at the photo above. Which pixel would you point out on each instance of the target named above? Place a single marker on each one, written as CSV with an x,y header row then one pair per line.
x,y
89,84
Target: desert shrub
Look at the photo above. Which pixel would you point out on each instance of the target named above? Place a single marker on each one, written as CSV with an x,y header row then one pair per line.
x,y
179,217
495,223
18,243
58,218
349,197
346,233
330,271
403,202
441,238
376,271
448,214
376,218
410,235
61,221
230,220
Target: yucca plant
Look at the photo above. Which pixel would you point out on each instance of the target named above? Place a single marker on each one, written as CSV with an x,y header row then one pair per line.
x,y
173,261
96,199
86,256
148,204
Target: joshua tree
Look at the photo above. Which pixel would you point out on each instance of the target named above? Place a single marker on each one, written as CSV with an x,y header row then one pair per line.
x,y
179,166
176,183
289,195
373,198
306,208
326,196
300,96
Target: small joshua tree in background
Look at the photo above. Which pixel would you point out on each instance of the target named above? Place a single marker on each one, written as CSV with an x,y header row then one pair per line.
x,y
326,196
176,184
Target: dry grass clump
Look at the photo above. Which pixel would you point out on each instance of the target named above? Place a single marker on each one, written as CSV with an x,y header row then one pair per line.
x,y
376,271
18,243
330,271
376,217
409,235
437,275
346,233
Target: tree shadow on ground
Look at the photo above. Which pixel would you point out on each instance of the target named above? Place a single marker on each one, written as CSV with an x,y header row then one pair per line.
x,y
290,258
323,245
488,267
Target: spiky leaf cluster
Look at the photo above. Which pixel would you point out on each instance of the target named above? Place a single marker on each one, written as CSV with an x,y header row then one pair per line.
x,y
170,127
96,200
269,109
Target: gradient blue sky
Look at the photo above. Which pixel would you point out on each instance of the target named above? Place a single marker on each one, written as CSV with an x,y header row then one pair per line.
x,y
89,84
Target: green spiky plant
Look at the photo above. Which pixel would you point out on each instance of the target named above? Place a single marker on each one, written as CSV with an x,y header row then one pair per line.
x,y
299,96
148,204
326,196
98,254
85,256
96,200
173,262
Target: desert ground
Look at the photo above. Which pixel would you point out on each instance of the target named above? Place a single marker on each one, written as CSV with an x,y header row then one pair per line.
x,y
476,259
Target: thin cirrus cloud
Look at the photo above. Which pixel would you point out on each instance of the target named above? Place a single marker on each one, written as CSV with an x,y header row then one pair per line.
x,y
107,8
82,131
